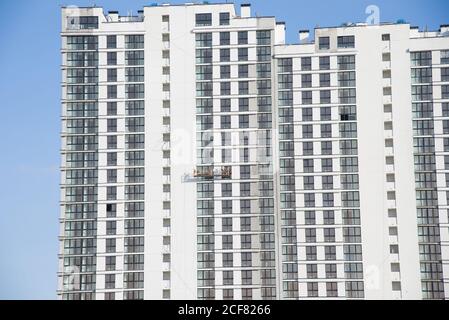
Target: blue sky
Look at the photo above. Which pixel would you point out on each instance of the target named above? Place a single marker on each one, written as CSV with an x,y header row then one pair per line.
x,y
29,113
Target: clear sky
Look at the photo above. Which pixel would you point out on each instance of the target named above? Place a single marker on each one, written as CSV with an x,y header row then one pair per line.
x,y
30,109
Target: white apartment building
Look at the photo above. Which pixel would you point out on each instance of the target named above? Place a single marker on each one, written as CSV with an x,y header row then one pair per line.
x,y
204,158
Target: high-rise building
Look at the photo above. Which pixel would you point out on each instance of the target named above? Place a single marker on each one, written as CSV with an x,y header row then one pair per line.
x,y
205,158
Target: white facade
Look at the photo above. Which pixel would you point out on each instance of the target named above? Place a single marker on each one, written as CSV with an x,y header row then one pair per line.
x,y
202,157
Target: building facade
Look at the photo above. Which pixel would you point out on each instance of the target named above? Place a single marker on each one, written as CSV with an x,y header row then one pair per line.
x,y
204,158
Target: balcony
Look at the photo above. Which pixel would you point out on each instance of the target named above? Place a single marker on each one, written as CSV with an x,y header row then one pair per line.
x,y
391,186
389,151
166,128
391,204
166,179
388,117
386,65
166,266
388,134
388,99
166,248
166,213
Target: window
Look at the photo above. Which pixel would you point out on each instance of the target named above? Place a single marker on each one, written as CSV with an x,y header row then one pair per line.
x,y
328,199
307,132
225,72
445,92
309,217
349,165
134,141
135,108
312,289
263,53
225,55
112,158
89,75
347,95
243,69
242,37
135,124
112,125
307,148
325,81
444,57
82,22
203,39
386,37
134,41
112,142
225,38
224,18
348,147
243,87
134,58
242,54
111,227
225,105
307,114
327,182
328,215
82,43
134,91
422,93
346,79
247,294
285,65
306,63
243,121
421,58
354,290
324,63
346,62
112,92
326,165
203,19
325,114
109,281
264,87
112,75
445,107
134,74
348,130
204,89
324,43
325,95
263,37
309,200
225,88
306,80
445,74
112,58
264,120
348,113
423,75
346,42
225,122
111,42
285,81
